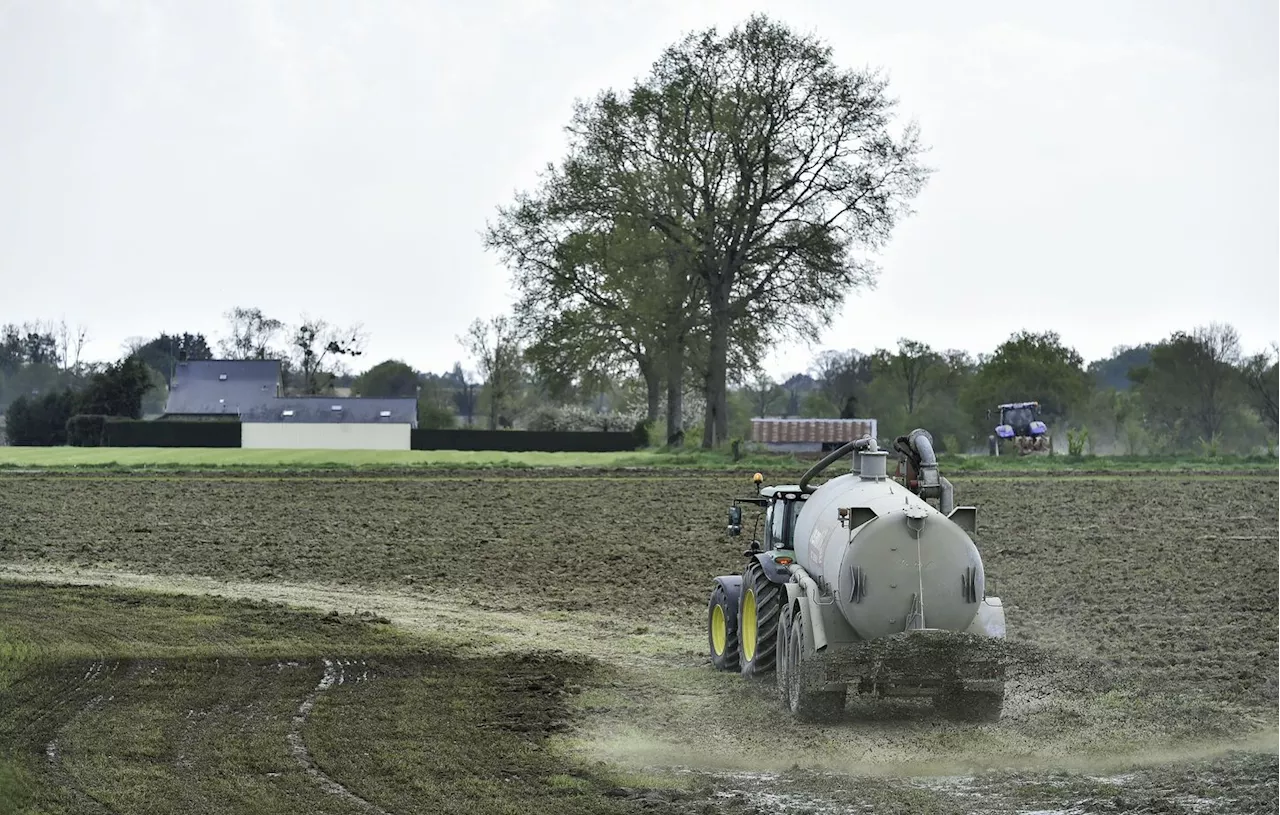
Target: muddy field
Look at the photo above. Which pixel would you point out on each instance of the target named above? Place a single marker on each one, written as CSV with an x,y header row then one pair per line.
x,y
1153,597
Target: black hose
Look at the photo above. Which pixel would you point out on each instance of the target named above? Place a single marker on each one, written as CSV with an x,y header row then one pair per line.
x,y
829,458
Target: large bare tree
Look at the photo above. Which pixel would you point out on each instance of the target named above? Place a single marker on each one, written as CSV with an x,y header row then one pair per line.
x,y
251,335
771,170
318,349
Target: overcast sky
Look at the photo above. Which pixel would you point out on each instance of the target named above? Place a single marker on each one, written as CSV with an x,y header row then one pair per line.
x,y
1104,169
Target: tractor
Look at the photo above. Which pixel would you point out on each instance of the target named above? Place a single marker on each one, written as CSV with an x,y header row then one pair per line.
x,y
862,585
1020,423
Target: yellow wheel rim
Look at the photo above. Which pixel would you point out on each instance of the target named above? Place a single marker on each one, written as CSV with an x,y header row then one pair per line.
x,y
719,635
748,625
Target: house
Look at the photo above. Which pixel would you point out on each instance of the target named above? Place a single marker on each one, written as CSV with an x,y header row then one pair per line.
x,y
809,435
251,391
221,388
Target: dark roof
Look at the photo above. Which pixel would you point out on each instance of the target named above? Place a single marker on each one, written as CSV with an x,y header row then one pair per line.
x,y
223,386
356,409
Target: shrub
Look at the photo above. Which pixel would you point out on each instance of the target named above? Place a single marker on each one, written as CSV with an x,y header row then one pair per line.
x,y
434,416
1077,441
40,422
86,430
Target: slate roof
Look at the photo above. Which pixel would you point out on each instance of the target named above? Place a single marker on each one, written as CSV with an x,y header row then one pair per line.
x,y
352,409
233,386
249,388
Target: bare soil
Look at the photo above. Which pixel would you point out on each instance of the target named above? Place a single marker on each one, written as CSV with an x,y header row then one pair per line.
x,y
1153,600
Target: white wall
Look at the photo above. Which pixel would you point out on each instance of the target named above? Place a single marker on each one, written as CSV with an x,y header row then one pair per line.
x,y
324,436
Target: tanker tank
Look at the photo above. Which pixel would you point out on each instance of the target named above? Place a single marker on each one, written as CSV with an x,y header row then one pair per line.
x,y
862,585
891,560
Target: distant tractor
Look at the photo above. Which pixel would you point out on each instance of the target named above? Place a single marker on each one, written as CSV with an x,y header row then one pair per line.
x,y
1020,424
862,585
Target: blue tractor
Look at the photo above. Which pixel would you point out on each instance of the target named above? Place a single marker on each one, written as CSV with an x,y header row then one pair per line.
x,y
1020,424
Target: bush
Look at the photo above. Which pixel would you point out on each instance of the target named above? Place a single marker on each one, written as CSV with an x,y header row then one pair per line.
x,y
572,418
434,416
642,432
1077,441
86,430
40,422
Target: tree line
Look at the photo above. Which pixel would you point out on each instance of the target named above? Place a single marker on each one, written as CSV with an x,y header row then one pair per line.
x,y
1195,391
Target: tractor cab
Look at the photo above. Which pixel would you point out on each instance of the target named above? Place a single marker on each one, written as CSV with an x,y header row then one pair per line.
x,y
781,507
1020,420
1020,425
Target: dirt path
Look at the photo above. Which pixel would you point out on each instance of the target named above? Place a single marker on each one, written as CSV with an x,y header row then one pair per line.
x,y
665,711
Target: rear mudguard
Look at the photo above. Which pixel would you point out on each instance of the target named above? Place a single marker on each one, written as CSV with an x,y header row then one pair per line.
x,y
732,585
775,573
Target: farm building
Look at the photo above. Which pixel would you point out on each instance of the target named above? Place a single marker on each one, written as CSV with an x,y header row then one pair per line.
x,y
809,435
331,422
250,391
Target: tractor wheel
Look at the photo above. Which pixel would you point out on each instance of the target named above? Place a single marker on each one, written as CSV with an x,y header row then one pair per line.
x,y
803,702
758,613
722,630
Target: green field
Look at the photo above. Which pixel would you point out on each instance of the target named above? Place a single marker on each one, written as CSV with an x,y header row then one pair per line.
x,y
205,458
531,640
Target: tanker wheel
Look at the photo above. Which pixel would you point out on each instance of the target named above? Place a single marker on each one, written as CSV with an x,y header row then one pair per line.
x,y
782,667
805,703
722,630
970,706
758,611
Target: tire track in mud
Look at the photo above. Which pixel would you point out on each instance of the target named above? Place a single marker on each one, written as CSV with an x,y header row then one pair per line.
x,y
334,674
94,672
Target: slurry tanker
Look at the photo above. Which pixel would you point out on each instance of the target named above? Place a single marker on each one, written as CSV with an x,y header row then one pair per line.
x,y
861,584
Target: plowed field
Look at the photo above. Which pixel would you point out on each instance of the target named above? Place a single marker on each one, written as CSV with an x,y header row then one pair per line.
x,y
1154,597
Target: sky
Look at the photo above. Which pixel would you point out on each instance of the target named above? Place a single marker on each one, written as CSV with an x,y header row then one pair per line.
x,y
1106,169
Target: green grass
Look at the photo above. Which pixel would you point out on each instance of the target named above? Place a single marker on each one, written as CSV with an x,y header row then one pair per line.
x,y
202,458
131,458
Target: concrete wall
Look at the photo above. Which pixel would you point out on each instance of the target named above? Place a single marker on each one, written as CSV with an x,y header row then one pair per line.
x,y
327,436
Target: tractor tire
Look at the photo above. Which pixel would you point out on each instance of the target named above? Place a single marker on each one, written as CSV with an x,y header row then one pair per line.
x,y
802,701
722,630
758,611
